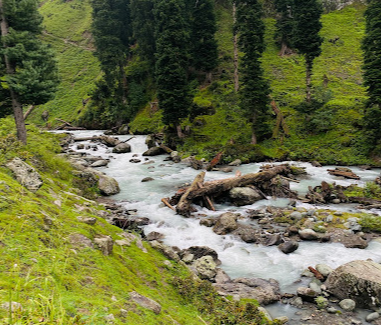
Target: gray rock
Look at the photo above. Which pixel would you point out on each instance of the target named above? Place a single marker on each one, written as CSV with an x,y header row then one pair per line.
x,y
315,287
236,162
296,215
145,302
87,220
13,306
206,268
200,251
150,141
324,269
315,163
80,241
25,174
100,163
166,250
147,179
109,141
226,169
266,292
332,310
110,319
154,235
188,258
222,277
154,151
247,233
175,156
104,243
265,313
244,195
80,146
123,130
226,223
308,234
307,294
357,280
347,304
135,161
353,241
108,185
281,320
273,239
289,246
297,302
373,316
122,148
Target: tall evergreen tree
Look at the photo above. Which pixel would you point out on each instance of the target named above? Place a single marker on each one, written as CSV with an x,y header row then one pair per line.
x,y
254,88
112,32
203,43
27,65
172,43
372,72
143,23
306,35
285,24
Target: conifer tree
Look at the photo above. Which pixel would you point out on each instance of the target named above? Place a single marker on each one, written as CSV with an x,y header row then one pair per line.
x,y
27,67
143,23
306,35
112,32
372,72
285,24
172,52
203,43
254,88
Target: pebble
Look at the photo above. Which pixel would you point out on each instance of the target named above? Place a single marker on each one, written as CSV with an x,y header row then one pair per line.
x,y
373,316
347,304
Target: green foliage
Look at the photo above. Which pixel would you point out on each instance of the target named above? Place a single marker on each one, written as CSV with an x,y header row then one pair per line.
x,y
204,50
285,22
371,223
254,89
171,35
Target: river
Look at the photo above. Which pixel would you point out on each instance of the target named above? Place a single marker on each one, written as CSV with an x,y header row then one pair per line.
x,y
239,259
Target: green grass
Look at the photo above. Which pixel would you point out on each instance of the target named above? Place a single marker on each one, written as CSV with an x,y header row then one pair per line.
x,y
58,283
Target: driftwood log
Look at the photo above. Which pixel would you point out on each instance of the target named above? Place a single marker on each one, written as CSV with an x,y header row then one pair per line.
x,y
325,193
343,173
200,190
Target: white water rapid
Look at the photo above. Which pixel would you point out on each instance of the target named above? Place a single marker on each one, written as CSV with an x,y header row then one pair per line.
x,y
239,259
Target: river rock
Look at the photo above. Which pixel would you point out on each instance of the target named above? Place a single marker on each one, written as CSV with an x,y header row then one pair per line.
x,y
289,246
87,220
108,185
357,280
200,251
109,141
25,174
175,156
296,215
80,241
308,234
265,313
166,250
150,141
266,292
145,302
244,195
105,244
154,151
324,270
236,162
205,268
135,161
221,277
354,242
273,239
315,163
122,148
247,233
123,129
147,179
154,235
347,304
226,223
100,163
307,294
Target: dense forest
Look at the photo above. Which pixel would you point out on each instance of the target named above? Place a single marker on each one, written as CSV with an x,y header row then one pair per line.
x,y
296,78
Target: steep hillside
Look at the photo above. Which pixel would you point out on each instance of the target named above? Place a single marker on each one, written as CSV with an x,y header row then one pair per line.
x,y
54,270
67,29
332,134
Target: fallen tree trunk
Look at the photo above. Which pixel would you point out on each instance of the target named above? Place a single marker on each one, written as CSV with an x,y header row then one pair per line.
x,y
364,200
346,174
184,198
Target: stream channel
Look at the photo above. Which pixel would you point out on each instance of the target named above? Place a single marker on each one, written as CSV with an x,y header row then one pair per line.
x,y
239,259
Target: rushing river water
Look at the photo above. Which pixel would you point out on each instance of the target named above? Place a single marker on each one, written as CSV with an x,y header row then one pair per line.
x,y
239,259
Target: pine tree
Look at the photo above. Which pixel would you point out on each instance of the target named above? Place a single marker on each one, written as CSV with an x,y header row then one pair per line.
x,y
254,88
372,72
112,32
285,24
306,35
203,43
28,66
143,22
172,44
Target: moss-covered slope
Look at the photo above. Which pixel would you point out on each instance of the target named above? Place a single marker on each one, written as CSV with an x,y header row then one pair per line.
x,y
55,280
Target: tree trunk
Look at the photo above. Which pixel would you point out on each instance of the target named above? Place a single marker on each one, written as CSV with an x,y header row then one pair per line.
x,y
253,137
235,42
16,105
180,133
308,81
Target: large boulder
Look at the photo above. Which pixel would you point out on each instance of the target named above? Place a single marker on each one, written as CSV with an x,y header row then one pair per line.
x,y
108,185
154,151
25,174
145,302
244,195
226,223
122,148
205,268
266,292
150,141
357,280
109,141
